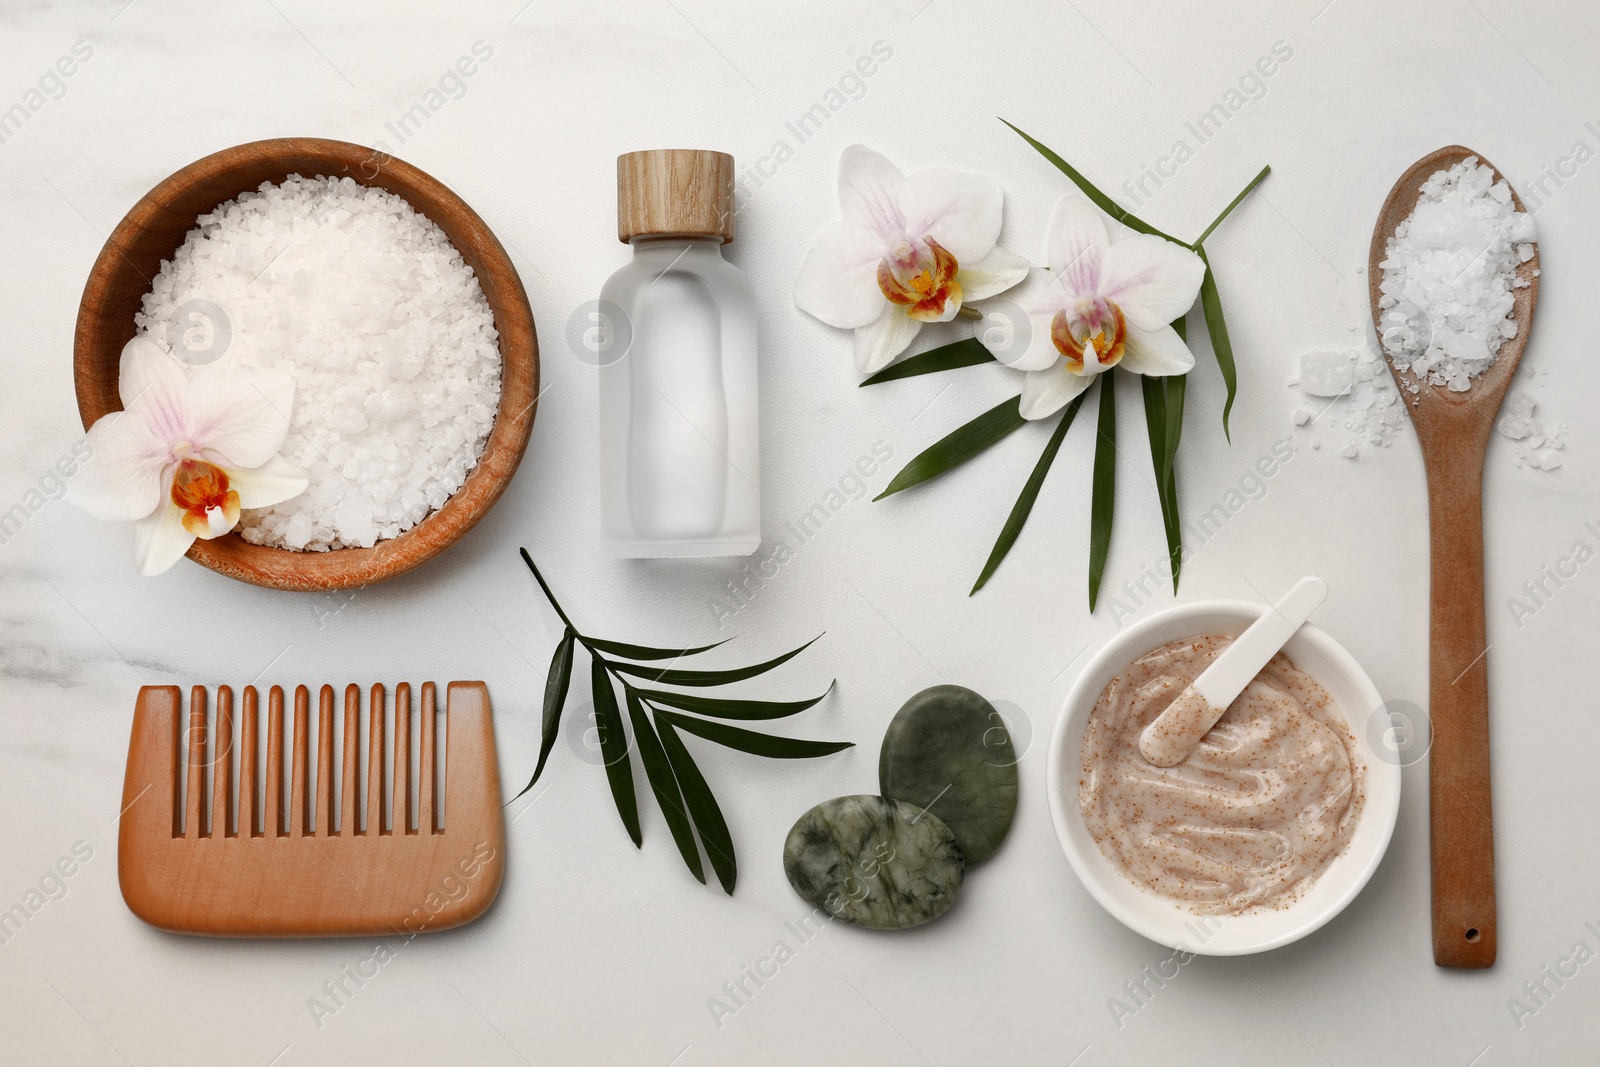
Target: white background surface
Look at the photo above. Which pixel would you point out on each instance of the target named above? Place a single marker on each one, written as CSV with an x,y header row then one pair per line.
x,y
597,953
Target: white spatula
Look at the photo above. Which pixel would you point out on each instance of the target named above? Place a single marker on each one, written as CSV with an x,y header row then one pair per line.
x,y
1169,739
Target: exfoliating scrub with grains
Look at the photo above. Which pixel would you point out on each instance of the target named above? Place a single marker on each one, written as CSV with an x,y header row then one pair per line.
x,y
1252,816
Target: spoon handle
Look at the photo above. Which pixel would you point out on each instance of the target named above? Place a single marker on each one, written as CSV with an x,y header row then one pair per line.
x,y
1462,831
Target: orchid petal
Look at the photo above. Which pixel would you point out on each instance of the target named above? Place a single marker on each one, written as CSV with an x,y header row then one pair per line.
x,y
1045,392
1016,330
125,476
157,390
271,483
991,275
838,282
961,211
878,343
1076,245
1151,279
1156,353
869,187
1040,353
239,417
159,540
143,365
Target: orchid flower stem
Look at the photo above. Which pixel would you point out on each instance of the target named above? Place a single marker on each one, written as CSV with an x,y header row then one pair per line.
x,y
1229,209
969,313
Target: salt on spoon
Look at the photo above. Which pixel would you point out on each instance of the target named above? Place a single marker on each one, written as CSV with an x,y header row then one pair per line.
x,y
1169,739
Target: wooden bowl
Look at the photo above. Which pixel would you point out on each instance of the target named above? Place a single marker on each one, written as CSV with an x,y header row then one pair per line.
x,y
154,230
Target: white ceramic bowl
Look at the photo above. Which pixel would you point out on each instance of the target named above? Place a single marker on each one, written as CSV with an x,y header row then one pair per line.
x,y
1314,652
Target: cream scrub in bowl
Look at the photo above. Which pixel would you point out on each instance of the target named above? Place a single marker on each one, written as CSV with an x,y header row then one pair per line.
x,y
1260,835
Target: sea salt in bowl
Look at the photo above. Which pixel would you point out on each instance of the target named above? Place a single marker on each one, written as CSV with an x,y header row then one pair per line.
x,y
1167,922
153,231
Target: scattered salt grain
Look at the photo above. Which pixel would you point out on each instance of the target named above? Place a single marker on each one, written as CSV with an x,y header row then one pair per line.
x,y
1535,445
1350,451
1448,276
1362,397
1326,373
382,325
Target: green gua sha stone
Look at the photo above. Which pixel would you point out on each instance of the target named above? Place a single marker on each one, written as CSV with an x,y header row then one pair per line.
x,y
874,862
948,751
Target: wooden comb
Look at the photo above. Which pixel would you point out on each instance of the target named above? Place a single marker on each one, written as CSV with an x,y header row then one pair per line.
x,y
251,863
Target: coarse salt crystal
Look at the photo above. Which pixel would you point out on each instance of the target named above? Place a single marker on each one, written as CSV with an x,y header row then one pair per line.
x,y
1448,275
1533,444
1368,405
382,325
1325,373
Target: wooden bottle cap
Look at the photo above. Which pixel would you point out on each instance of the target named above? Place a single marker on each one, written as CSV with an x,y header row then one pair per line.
x,y
675,192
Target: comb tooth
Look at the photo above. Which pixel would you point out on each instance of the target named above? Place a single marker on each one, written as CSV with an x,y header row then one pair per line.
x,y
222,806
248,806
400,812
195,805
472,776
155,765
427,809
350,764
325,761
300,790
375,761
274,814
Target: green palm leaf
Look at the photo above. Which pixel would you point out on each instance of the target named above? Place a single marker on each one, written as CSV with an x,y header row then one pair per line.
x,y
724,708
664,784
757,744
614,749
556,683
702,805
669,676
1030,492
1100,200
960,445
1104,496
1217,328
968,352
627,651
686,801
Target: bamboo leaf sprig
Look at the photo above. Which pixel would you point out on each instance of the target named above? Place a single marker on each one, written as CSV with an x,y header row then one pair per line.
x,y
657,716
1163,404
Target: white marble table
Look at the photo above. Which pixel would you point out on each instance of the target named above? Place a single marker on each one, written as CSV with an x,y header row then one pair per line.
x,y
597,953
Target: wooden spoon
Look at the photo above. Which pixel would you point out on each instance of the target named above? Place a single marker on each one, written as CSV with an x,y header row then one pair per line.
x,y
1454,429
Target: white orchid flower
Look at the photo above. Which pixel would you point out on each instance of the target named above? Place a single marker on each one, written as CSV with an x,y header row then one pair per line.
x,y
909,250
1109,299
185,456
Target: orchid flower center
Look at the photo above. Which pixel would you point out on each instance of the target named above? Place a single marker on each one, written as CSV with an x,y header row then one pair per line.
x,y
921,278
200,490
1093,335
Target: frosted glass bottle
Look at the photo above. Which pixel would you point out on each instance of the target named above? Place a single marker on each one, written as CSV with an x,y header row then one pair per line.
x,y
679,463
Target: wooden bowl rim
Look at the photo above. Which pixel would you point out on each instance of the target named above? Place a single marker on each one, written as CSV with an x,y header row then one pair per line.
x,y
345,568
